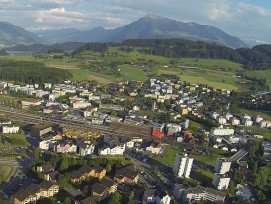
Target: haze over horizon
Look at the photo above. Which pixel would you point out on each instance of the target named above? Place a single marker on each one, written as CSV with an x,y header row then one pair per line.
x,y
241,18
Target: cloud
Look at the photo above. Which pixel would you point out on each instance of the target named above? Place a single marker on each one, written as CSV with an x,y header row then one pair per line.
x,y
57,1
59,15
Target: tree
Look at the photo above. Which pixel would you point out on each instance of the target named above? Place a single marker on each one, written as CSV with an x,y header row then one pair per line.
x,y
63,180
36,153
231,188
115,198
132,195
67,200
64,163
23,153
108,167
260,195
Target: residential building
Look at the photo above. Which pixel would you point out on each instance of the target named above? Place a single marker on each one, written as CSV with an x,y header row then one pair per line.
x,y
31,102
201,193
41,129
150,196
221,181
183,165
44,168
222,166
7,129
86,149
52,176
112,150
221,131
162,198
248,122
178,191
103,189
243,191
155,148
34,192
126,174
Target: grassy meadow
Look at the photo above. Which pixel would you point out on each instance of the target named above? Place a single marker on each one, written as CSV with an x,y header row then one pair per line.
x,y
263,74
134,65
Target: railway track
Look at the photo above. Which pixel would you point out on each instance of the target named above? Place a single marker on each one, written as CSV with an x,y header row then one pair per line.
x,y
21,116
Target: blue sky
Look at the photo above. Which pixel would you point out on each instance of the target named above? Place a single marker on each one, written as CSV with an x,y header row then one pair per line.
x,y
242,18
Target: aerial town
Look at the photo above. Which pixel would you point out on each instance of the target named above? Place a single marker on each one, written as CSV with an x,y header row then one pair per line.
x,y
157,141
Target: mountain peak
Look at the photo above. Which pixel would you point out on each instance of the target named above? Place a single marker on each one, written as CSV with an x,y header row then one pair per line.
x,y
153,17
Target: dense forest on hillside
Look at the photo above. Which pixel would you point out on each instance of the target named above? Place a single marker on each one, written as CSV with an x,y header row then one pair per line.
x,y
31,72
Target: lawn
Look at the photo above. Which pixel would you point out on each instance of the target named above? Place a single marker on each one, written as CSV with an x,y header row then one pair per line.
x,y
85,74
204,176
210,63
261,74
217,79
5,172
261,131
130,72
265,114
8,140
169,156
206,158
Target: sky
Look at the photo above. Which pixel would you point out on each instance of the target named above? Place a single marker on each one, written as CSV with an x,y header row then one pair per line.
x,y
241,18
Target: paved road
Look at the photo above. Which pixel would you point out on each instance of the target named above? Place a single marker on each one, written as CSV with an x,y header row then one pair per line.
x,y
239,155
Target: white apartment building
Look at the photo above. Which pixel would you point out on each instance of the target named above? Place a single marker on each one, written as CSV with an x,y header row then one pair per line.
x,y
221,182
248,122
222,166
221,120
86,149
45,145
201,193
10,129
221,131
81,104
117,150
235,121
228,116
183,165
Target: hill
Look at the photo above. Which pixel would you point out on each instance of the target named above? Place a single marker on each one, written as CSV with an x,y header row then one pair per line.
x,y
13,35
147,27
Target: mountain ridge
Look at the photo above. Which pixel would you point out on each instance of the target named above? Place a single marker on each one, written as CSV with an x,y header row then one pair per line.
x,y
149,27
11,35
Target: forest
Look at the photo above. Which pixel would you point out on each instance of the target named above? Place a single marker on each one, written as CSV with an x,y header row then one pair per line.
x,y
31,72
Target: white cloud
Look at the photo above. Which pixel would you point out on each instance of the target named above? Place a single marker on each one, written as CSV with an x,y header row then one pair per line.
x,y
57,1
59,16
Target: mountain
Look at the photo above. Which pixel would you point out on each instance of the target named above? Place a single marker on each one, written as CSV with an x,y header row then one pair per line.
x,y
148,27
13,35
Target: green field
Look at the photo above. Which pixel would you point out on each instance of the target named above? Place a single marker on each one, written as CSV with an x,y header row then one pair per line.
x,y
261,74
169,156
261,131
206,158
5,172
130,72
204,176
217,79
265,114
210,64
8,140
90,65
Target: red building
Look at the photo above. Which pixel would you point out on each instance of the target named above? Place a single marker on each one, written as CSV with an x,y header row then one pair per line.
x,y
156,132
